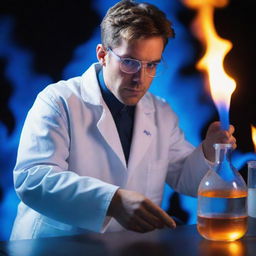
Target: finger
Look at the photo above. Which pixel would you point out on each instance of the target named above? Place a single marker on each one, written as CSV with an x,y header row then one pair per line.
x,y
232,140
215,126
228,138
158,212
234,146
142,225
231,129
151,219
139,225
168,220
138,228
224,137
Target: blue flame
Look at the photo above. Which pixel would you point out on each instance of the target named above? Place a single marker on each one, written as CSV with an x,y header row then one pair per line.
x,y
223,111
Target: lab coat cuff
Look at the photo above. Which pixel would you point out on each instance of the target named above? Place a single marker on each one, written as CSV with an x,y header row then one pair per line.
x,y
108,219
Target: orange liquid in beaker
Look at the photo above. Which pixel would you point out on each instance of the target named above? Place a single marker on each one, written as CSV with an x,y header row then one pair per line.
x,y
223,226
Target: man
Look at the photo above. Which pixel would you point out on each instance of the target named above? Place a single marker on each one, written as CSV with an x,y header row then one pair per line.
x,y
96,150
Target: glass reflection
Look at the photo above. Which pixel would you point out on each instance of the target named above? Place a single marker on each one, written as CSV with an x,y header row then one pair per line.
x,y
211,248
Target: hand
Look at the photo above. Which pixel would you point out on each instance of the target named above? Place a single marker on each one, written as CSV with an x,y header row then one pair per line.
x,y
136,212
216,135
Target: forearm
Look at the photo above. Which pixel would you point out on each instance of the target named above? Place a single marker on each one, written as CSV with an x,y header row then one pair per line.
x,y
65,196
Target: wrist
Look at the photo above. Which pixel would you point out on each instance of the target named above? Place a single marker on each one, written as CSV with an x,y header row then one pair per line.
x,y
208,152
113,204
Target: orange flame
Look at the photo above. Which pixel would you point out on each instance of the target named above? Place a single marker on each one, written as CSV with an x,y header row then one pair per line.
x,y
221,84
254,136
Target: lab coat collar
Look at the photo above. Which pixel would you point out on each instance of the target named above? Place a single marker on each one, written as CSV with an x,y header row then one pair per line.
x,y
90,86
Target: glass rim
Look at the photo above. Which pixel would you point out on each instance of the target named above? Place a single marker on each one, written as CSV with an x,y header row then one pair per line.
x,y
222,145
251,164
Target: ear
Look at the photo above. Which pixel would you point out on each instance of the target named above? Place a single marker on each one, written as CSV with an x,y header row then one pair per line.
x,y
101,54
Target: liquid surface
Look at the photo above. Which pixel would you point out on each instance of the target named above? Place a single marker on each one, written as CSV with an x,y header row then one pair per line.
x,y
224,193
222,215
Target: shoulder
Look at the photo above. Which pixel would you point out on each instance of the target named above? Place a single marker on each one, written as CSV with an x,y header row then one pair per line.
x,y
158,103
70,89
53,99
81,88
162,112
62,89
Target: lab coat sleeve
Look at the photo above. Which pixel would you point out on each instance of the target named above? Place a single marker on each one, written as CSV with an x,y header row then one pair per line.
x,y
42,178
187,164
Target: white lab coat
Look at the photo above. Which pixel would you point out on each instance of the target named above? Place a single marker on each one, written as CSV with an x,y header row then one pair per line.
x,y
70,160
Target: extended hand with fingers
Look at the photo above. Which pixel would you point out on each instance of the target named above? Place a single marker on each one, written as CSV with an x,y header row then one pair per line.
x,y
136,212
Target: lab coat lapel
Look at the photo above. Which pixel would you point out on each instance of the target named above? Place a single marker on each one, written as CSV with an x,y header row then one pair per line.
x,y
143,131
105,123
107,128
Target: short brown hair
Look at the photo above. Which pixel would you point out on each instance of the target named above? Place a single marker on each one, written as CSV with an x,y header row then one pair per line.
x,y
130,20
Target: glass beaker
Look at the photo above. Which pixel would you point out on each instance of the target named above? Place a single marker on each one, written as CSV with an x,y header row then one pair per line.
x,y
222,200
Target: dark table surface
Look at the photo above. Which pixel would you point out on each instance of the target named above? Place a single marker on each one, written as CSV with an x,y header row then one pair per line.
x,y
184,240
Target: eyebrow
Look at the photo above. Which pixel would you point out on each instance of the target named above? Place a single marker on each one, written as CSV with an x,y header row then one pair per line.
x,y
159,60
130,57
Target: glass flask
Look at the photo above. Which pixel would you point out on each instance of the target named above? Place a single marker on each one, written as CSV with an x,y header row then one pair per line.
x,y
222,200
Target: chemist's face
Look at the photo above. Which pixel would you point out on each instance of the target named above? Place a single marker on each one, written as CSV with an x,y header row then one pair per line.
x,y
129,87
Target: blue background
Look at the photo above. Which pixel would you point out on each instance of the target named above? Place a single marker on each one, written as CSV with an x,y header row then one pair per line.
x,y
45,41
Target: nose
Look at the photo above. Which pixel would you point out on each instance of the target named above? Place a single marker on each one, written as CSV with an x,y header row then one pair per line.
x,y
139,75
